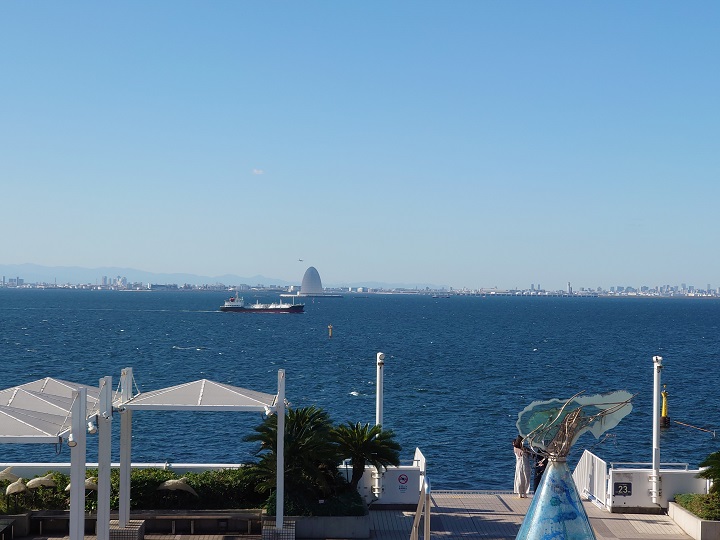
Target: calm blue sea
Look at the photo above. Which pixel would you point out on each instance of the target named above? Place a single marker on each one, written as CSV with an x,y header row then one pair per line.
x,y
457,370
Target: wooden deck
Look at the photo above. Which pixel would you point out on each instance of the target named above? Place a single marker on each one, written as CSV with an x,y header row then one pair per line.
x,y
497,516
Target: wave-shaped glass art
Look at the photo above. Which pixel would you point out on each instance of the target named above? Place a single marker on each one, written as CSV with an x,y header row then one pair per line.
x,y
552,427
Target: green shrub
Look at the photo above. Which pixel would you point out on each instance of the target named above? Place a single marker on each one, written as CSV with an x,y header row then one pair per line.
x,y
346,503
144,494
227,488
703,506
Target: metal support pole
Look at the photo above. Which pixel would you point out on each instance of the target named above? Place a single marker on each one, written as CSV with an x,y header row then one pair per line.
x,y
280,452
104,425
426,519
78,457
377,475
655,479
379,389
126,381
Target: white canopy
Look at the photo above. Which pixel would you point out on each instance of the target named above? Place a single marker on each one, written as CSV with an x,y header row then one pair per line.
x,y
39,411
30,400
202,395
43,411
56,387
21,426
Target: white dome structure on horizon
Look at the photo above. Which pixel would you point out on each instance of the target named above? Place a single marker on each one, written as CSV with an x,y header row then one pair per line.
x,y
311,283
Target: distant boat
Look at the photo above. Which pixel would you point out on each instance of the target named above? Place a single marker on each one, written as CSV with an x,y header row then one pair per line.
x,y
237,304
441,296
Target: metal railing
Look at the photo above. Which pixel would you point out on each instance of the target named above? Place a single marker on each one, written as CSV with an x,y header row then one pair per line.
x,y
423,510
423,507
646,465
590,476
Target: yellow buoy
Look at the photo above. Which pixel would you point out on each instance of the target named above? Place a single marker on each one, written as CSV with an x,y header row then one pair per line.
x,y
664,418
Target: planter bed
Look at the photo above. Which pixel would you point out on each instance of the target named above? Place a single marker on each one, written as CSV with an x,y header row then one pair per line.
x,y
200,521
15,525
160,521
699,529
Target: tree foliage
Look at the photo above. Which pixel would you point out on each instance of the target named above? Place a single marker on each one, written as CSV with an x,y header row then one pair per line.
x,y
712,471
366,445
314,448
311,464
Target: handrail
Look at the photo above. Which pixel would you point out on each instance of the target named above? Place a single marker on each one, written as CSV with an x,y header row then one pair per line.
x,y
684,465
423,510
590,477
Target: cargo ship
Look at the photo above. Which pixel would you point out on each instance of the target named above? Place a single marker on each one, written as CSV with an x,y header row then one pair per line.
x,y
237,304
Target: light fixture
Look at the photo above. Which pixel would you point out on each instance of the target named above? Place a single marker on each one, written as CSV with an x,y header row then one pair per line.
x,y
92,428
71,441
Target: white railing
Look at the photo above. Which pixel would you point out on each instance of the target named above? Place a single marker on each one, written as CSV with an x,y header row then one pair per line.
x,y
646,465
590,476
423,510
419,462
423,507
30,470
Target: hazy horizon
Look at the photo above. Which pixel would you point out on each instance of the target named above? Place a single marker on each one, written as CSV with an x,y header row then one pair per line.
x,y
470,144
40,274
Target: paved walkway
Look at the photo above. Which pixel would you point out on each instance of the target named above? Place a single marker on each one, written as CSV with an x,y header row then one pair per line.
x,y
488,516
467,515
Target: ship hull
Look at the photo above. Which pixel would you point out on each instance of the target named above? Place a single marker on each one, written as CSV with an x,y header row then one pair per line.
x,y
297,308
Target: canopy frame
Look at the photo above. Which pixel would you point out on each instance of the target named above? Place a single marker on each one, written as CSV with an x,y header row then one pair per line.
x,y
201,395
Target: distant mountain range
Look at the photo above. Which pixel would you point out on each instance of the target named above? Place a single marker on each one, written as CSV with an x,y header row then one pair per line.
x,y
33,273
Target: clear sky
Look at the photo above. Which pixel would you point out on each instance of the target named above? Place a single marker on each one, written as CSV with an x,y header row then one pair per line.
x,y
462,143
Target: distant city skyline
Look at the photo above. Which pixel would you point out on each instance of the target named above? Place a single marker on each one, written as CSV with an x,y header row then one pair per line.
x,y
25,275
467,144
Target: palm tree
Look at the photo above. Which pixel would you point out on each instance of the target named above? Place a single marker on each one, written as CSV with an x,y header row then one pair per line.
x,y
364,444
310,453
712,472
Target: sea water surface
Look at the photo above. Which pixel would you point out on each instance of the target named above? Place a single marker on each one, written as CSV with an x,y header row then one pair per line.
x,y
457,370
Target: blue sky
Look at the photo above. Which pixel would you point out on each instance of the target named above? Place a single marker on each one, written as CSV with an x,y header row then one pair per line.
x,y
463,143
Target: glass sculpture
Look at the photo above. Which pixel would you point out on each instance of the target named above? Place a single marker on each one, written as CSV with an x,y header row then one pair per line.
x,y
550,428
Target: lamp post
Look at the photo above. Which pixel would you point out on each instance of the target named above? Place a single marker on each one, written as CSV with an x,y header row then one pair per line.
x,y
280,453
655,480
377,475
379,390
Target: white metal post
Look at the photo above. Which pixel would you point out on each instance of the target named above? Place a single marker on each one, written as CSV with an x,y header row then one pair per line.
x,y
377,475
655,479
126,381
104,425
379,389
426,519
280,453
78,456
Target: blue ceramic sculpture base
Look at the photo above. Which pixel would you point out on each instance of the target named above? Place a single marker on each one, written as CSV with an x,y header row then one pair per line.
x,y
556,512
